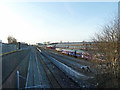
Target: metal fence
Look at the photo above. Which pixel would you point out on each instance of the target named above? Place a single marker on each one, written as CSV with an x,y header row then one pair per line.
x,y
11,47
8,47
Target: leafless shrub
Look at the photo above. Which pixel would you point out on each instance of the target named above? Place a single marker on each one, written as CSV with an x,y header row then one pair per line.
x,y
107,45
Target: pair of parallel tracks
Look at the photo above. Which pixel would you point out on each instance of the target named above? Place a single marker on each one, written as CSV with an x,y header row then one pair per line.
x,y
55,77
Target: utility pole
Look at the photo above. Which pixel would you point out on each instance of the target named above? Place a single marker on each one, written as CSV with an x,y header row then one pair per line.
x,y
18,81
18,45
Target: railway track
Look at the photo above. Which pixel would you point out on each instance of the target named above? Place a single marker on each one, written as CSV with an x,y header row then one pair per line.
x,y
71,63
36,77
43,70
88,75
61,80
42,73
50,75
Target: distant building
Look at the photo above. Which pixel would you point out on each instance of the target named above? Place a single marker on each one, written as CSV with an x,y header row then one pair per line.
x,y
51,46
39,43
76,45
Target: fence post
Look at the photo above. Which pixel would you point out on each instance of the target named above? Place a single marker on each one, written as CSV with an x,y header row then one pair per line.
x,y
18,80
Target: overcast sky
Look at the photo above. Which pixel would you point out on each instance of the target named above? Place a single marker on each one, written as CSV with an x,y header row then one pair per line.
x,y
34,22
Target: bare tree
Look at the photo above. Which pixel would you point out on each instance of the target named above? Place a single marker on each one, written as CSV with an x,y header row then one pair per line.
x,y
107,46
11,39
